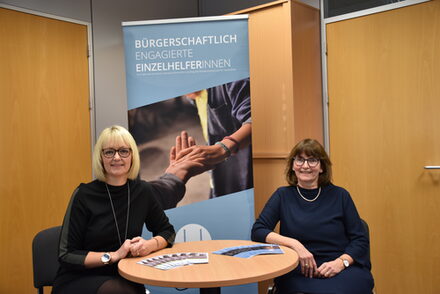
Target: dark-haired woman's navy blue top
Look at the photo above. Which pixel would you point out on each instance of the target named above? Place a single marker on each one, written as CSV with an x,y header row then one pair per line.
x,y
328,227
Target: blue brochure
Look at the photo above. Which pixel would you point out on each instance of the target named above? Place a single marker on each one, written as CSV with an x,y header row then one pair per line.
x,y
247,251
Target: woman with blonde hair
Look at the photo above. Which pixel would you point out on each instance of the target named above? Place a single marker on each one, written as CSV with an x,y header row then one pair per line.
x,y
104,219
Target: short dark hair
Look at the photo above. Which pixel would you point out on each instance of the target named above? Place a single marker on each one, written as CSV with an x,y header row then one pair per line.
x,y
309,147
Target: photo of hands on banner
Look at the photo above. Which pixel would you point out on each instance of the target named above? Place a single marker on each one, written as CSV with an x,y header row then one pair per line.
x,y
212,126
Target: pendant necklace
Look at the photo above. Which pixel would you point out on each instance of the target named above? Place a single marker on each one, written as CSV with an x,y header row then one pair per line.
x,y
309,200
114,214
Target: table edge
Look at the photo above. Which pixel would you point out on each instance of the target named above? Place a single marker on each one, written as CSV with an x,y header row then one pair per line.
x,y
209,284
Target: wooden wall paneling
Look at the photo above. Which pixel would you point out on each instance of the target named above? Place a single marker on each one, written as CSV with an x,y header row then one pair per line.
x,y
306,68
271,80
44,130
269,174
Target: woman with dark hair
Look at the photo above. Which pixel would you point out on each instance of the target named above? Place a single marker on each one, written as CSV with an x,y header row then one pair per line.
x,y
320,222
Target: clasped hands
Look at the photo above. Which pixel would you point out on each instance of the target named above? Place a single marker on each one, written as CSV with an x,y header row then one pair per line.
x,y
137,246
309,268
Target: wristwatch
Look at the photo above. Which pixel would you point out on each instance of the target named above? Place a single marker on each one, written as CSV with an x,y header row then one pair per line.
x,y
106,258
345,262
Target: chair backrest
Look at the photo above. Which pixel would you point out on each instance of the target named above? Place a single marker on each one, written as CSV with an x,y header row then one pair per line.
x,y
367,230
45,257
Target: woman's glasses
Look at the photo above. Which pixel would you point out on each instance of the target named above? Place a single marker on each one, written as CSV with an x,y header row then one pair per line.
x,y
110,152
312,162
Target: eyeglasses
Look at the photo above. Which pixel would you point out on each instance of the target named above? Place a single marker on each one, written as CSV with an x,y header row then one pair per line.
x,y
299,161
110,152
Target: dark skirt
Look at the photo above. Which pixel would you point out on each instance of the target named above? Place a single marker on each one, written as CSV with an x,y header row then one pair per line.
x,y
354,279
88,281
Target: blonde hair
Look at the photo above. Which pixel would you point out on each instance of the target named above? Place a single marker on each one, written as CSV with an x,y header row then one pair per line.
x,y
115,134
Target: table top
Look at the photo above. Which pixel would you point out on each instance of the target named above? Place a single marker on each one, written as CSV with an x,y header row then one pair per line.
x,y
221,270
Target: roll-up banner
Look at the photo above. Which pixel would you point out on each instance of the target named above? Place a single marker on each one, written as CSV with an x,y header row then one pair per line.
x,y
192,75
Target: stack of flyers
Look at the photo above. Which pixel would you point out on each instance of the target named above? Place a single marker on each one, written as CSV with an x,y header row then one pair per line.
x,y
170,261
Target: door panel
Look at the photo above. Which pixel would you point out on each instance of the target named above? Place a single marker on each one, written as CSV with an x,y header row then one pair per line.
x,y
44,131
384,103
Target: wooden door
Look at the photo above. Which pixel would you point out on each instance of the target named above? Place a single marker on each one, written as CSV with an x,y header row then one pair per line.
x,y
44,132
384,103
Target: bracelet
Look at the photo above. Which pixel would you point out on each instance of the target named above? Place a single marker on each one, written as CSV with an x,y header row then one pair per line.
x,y
157,243
235,141
228,151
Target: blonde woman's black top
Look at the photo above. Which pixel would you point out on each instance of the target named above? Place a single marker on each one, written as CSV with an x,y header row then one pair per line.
x,y
89,225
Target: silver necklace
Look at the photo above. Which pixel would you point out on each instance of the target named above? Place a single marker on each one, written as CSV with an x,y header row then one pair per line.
x,y
114,214
309,200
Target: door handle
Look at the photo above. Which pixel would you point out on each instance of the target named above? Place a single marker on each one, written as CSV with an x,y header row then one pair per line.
x,y
432,166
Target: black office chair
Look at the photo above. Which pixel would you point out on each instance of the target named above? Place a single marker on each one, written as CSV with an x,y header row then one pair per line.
x,y
45,257
367,229
273,290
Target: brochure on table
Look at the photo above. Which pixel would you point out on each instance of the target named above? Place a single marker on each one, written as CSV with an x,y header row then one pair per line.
x,y
170,261
247,251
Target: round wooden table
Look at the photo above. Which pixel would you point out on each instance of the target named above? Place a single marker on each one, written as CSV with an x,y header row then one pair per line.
x,y
221,270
